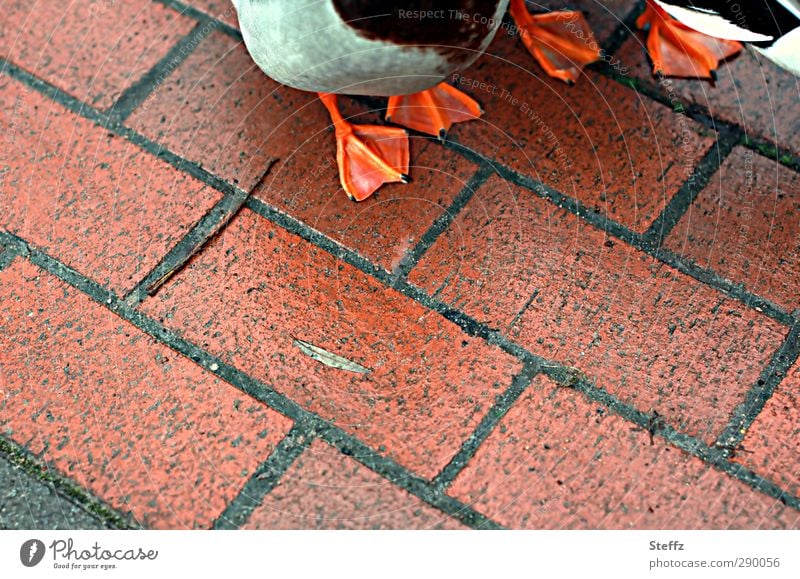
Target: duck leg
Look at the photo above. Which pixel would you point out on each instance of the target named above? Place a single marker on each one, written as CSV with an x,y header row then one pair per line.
x,y
561,42
433,111
368,155
677,50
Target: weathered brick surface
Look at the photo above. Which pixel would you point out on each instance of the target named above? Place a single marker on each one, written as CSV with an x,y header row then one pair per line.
x,y
151,433
750,91
557,461
745,226
326,490
383,229
219,110
772,445
648,334
220,9
234,119
140,426
91,199
92,50
619,154
256,289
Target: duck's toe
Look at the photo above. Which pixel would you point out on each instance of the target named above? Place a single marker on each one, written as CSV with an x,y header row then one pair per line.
x,y
433,111
369,156
561,42
679,51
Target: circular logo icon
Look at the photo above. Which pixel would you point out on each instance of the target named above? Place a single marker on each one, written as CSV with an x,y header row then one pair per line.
x,y
31,552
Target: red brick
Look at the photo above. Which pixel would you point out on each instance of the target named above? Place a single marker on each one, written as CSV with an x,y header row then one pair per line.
x,y
138,425
233,119
95,201
557,461
648,334
327,490
219,110
744,226
92,50
307,187
772,444
256,288
220,9
750,91
618,153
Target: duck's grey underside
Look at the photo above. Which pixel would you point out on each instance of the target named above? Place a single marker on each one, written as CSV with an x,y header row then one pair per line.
x,y
322,45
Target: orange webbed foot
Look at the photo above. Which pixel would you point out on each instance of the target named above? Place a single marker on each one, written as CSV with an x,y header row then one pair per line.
x,y
677,50
368,155
561,42
433,111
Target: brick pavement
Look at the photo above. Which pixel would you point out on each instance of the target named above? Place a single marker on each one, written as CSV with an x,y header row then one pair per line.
x,y
582,313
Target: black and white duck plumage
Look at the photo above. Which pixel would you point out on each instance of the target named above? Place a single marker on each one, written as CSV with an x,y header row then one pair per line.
x,y
771,27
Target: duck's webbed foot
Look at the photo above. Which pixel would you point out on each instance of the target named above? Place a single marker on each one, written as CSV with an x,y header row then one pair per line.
x,y
677,50
561,42
433,111
368,155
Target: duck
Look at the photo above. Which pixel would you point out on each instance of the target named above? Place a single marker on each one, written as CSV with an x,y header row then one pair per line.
x,y
690,38
405,52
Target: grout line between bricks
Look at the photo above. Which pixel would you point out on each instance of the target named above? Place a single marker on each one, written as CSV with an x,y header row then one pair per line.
x,y
559,372
680,203
192,12
624,29
266,477
412,257
350,445
603,223
746,413
499,409
771,151
617,38
401,477
7,255
702,115
713,456
568,203
468,324
335,436
736,291
105,121
63,486
142,89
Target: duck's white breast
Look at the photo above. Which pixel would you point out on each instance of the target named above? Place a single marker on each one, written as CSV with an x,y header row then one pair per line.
x,y
785,52
306,44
